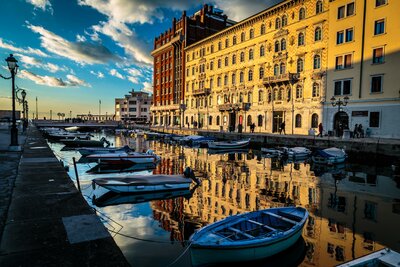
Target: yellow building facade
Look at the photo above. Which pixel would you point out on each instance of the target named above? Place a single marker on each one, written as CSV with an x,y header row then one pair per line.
x,y
286,63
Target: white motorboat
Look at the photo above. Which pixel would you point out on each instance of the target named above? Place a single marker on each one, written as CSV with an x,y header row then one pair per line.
x,y
85,151
229,144
298,152
125,158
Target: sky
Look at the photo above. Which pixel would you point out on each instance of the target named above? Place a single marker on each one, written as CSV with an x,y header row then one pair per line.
x,y
75,54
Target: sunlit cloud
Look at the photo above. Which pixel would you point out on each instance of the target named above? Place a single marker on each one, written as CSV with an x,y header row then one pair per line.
x,y
115,73
147,87
97,74
31,62
14,49
80,38
71,81
41,4
80,52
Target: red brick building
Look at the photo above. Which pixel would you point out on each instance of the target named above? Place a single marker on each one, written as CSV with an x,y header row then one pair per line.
x,y
169,61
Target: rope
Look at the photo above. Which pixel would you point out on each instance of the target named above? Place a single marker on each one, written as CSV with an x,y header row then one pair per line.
x,y
146,240
180,256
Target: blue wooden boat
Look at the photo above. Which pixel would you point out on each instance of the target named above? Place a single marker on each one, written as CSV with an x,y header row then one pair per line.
x,y
331,155
249,236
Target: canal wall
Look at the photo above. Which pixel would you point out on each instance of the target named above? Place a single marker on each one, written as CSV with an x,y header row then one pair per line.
x,y
49,223
359,146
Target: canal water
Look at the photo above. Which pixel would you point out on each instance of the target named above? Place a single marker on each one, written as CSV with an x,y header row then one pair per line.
x,y
354,208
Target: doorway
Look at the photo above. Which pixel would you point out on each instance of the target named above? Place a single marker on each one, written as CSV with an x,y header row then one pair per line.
x,y
277,120
232,121
340,123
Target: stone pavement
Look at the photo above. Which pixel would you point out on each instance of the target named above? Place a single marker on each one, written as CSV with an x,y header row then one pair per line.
x,y
45,221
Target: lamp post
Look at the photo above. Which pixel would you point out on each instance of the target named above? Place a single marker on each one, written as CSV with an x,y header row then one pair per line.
x,y
339,102
13,67
21,100
182,108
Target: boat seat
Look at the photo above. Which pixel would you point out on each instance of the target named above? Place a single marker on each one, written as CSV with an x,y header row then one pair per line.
x,y
241,232
262,225
295,215
280,217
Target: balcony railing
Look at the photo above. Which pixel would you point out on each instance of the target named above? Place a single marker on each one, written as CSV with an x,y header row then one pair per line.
x,y
164,107
281,78
235,106
202,91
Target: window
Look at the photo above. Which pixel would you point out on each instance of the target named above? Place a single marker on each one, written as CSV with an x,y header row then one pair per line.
x,y
283,45
211,83
374,119
261,73
234,40
219,81
379,27
380,3
314,120
302,13
211,65
339,37
317,62
259,120
277,46
318,7
288,94
276,69
251,54
282,68
377,57
260,96
349,35
262,51
342,87
219,63
226,80
217,121
315,90
250,75
277,23
249,121
299,92
242,57
219,46
233,78
341,11
284,20
249,97
233,59
344,62
241,77
300,39
318,34
251,33
370,210
226,43
226,61
298,121
350,9
376,84
262,29
212,48
210,120
300,65
242,37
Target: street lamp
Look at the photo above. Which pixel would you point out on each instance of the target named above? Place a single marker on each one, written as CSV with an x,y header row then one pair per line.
x,y
13,67
182,108
339,102
21,100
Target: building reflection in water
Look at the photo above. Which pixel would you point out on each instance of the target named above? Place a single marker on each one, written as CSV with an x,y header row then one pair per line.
x,y
353,209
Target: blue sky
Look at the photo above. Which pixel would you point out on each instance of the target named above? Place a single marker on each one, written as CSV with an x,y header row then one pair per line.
x,y
73,53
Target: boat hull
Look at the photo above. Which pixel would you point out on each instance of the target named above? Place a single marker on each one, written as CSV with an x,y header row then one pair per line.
x,y
203,256
147,188
227,145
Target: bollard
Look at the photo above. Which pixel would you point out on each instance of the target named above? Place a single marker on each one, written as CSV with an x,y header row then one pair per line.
x,y
76,175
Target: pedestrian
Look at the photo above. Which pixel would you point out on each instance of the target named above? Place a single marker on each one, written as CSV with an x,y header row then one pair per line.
x,y
282,128
252,127
320,129
355,131
360,130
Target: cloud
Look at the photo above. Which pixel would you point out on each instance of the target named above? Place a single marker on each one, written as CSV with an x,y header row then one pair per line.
x,y
115,73
80,38
71,80
98,74
148,87
15,49
41,4
81,52
29,62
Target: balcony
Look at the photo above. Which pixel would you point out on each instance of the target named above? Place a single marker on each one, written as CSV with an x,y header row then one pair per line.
x,y
282,78
203,91
236,106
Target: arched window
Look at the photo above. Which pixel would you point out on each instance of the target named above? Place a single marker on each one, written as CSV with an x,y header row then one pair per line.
x,y
302,13
262,29
282,68
288,94
219,81
249,97
300,65
280,94
251,54
219,46
211,65
249,122
226,43
242,37
260,96
283,45
284,20
226,80
318,7
262,51
298,121
277,23
250,78
211,83
251,33
212,48
299,92
241,77
219,63
187,120
233,78
260,121
191,120
233,59
242,57
261,73
300,39
210,120
226,61
318,34
276,69
277,46
317,62
314,120
192,103
217,122
269,96
210,101
241,97
219,102
276,94
234,40
315,90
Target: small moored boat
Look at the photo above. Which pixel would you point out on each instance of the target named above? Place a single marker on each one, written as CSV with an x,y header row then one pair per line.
x,y
331,155
125,158
85,151
147,183
298,152
381,258
249,236
85,143
229,144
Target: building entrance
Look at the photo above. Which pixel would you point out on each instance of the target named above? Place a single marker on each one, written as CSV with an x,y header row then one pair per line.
x,y
277,120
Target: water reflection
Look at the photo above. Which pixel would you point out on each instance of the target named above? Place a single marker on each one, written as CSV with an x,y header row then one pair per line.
x,y
353,208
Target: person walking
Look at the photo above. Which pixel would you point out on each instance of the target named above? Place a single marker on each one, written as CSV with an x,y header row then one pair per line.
x,y
320,129
355,131
360,130
282,128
